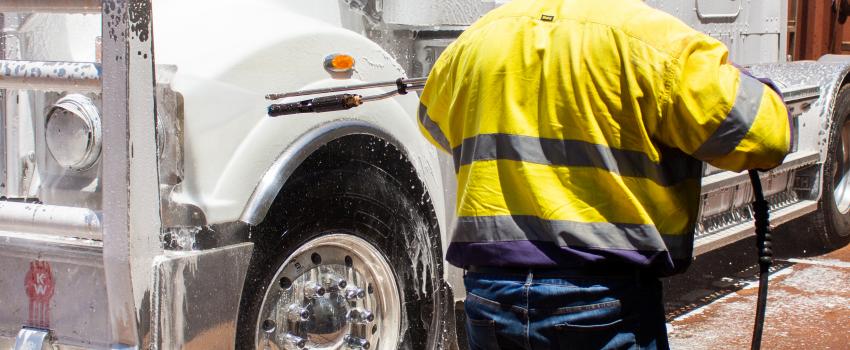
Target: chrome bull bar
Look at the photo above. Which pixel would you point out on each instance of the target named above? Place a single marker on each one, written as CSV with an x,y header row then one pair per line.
x,y
128,243
55,220
59,6
83,77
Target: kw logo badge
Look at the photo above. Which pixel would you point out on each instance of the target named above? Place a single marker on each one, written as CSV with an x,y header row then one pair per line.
x,y
39,286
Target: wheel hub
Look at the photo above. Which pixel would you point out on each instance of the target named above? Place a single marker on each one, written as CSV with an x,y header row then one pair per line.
x,y
327,318
335,292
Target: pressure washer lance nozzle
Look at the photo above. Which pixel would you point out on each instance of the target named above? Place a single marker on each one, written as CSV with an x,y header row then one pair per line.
x,y
317,105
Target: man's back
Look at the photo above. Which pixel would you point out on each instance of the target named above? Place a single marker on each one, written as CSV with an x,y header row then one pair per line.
x,y
577,128
573,125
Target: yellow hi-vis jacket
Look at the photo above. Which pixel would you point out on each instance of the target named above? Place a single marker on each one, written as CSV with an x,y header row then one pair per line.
x,y
577,129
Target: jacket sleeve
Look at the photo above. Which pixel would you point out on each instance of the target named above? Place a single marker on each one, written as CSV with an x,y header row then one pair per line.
x,y
434,104
721,115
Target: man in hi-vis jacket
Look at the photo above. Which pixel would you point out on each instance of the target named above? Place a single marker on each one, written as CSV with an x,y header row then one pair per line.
x,y
577,129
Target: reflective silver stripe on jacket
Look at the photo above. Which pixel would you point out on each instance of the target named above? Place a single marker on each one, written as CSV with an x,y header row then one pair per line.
x,y
433,128
502,228
674,168
738,122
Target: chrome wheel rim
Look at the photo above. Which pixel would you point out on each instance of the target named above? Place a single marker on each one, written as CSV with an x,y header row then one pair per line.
x,y
335,292
841,179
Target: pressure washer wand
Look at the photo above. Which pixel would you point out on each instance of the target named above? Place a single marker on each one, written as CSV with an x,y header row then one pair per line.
x,y
761,213
341,101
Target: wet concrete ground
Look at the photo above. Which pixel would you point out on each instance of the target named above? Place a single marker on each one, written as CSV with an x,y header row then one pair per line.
x,y
712,306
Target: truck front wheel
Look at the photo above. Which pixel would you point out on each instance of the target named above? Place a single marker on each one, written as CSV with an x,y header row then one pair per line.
x,y
347,262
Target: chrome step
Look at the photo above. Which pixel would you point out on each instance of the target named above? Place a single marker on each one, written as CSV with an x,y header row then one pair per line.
x,y
50,76
57,6
728,179
746,229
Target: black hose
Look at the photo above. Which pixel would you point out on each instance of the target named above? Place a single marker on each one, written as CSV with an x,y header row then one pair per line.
x,y
761,213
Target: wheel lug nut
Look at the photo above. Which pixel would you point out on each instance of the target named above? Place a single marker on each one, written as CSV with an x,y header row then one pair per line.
x,y
334,284
360,316
269,326
352,293
296,341
313,290
355,342
298,313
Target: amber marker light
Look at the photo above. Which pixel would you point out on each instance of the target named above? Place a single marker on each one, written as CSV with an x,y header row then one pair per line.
x,y
339,63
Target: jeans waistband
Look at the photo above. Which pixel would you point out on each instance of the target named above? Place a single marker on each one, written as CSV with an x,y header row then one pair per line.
x,y
544,272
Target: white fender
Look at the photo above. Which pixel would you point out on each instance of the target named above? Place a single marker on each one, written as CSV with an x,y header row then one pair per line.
x,y
225,71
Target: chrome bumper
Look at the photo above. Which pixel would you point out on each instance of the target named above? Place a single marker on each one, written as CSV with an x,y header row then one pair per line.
x,y
57,285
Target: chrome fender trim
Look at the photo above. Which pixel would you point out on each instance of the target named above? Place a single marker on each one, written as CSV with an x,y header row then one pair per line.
x,y
292,157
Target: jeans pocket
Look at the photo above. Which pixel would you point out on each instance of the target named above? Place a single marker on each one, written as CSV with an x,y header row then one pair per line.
x,y
482,334
597,330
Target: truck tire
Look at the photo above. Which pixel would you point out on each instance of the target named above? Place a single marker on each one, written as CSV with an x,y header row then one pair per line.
x,y
831,222
345,257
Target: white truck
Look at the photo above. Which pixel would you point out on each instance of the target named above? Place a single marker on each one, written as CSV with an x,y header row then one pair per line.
x,y
148,201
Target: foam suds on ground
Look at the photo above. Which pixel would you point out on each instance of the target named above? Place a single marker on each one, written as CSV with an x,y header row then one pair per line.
x,y
808,308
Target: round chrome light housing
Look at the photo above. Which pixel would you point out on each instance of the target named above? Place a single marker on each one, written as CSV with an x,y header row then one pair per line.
x,y
72,131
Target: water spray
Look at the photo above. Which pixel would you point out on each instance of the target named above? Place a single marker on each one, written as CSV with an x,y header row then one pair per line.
x,y
344,101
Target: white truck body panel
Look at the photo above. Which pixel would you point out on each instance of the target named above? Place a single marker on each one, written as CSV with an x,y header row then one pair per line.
x,y
231,142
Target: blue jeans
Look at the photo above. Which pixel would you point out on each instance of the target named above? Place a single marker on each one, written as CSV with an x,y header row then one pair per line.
x,y
562,311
